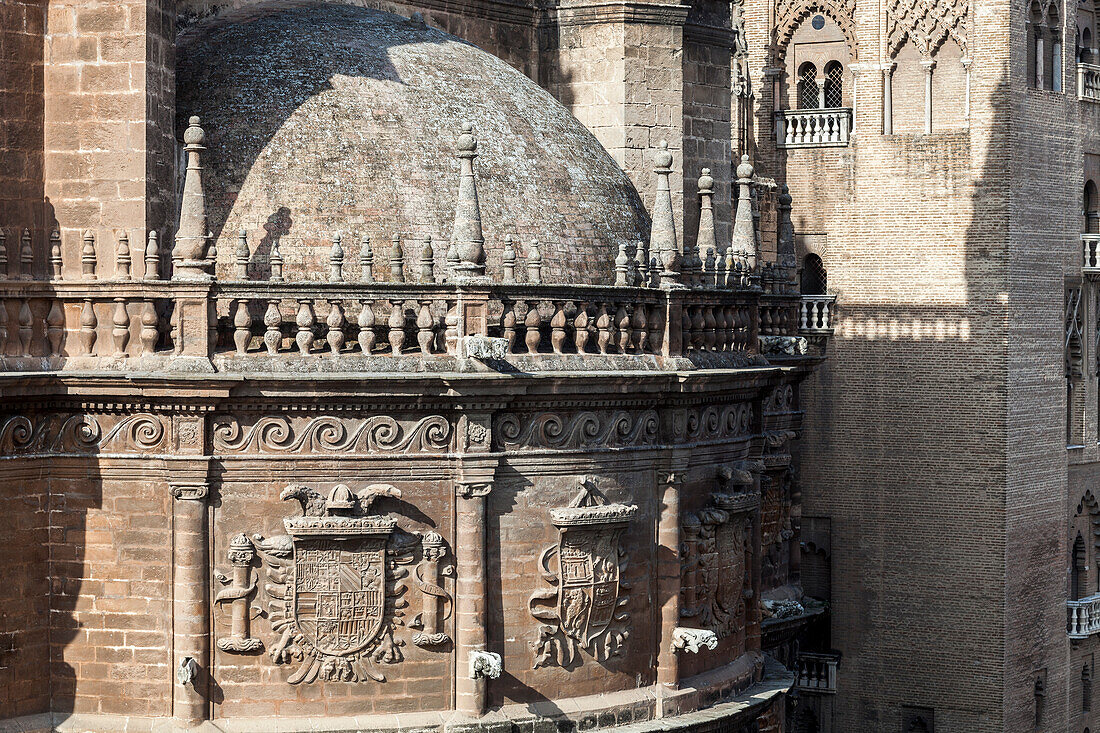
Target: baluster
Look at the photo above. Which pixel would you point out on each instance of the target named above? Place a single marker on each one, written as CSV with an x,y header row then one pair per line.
x,y
152,258
276,261
397,260
425,327
366,261
450,323
26,327
122,256
765,320
803,315
55,327
273,319
508,261
641,335
26,256
686,342
641,258
557,327
508,323
121,331
622,264
710,269
367,336
3,255
580,327
87,257
710,326
336,260
149,332
397,326
336,323
603,328
532,325
731,328
242,256
88,325
427,261
697,326
534,263
622,322
656,328
305,320
55,254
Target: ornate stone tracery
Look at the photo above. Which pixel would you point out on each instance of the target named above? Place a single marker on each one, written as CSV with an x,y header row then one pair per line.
x,y
789,15
927,23
584,610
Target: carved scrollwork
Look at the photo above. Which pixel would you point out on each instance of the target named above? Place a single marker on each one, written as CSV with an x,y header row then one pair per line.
x,y
588,429
585,608
927,24
327,434
335,585
714,422
81,433
780,399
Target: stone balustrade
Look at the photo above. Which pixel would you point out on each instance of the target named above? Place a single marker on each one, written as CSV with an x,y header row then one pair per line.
x,y
1083,617
1090,250
816,673
1088,82
813,128
815,315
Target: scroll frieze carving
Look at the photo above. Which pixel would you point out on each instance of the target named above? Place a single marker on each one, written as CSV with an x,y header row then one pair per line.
x,y
237,596
780,399
327,434
927,23
588,429
716,554
584,610
335,585
716,422
82,433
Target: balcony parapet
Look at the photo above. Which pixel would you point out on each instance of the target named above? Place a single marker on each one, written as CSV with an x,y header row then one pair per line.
x,y
1088,82
816,673
815,315
813,128
1090,251
1083,617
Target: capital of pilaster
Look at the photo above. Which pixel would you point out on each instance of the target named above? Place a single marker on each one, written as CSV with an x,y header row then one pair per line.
x,y
189,479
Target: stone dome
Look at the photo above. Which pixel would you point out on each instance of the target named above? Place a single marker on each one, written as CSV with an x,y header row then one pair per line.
x,y
327,118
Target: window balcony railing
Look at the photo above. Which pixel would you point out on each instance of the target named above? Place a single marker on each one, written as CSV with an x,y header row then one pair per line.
x,y
1090,250
1083,617
813,128
815,314
816,673
1088,82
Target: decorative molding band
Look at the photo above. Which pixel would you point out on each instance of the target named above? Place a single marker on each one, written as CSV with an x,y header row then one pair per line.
x,y
619,12
587,429
82,434
328,435
710,35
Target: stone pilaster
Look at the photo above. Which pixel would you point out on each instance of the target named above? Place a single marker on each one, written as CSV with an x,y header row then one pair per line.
x,y
189,483
668,578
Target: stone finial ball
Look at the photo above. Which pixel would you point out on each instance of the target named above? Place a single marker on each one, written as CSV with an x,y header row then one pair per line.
x,y
194,134
466,141
785,195
664,158
745,170
706,183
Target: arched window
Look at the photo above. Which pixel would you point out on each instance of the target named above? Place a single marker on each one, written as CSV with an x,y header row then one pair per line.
x,y
1084,48
1092,209
1078,580
1054,70
809,96
834,85
1040,698
815,279
1035,46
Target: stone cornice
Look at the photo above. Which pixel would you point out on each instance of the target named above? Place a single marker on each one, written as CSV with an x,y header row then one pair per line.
x,y
710,35
618,12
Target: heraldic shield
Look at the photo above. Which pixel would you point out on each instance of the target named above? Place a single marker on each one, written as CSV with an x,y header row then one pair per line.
x,y
329,593
589,595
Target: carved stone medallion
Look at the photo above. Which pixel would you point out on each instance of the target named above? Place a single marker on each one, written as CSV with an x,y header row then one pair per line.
x,y
584,610
331,590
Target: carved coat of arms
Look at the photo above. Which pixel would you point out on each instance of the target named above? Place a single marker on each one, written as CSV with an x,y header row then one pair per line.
x,y
334,590
716,556
584,610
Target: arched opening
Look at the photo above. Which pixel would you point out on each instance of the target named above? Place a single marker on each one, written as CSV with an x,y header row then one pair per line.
x,y
1035,46
1084,47
1054,71
834,85
1040,694
918,725
814,278
1078,581
809,96
1092,209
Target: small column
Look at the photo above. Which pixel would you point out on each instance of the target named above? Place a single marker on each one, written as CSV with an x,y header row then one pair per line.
x,y
1057,67
467,239
966,109
190,253
888,98
668,580
472,487
1040,68
188,481
820,92
928,65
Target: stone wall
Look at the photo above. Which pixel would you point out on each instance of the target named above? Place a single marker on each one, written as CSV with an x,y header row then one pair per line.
x,y
22,30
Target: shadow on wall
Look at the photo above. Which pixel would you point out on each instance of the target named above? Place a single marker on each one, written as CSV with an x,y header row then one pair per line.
x,y
908,421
